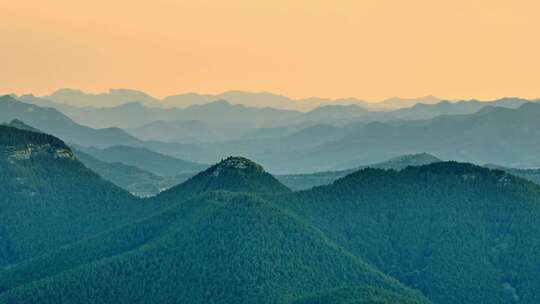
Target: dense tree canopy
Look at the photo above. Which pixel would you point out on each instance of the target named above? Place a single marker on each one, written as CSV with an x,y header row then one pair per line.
x,y
440,233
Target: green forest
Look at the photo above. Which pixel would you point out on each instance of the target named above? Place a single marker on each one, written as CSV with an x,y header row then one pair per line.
x,y
443,232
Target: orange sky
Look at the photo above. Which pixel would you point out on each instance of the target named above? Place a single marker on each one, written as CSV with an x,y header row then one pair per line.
x,y
371,49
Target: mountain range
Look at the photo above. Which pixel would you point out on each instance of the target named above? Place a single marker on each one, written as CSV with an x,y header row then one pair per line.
x,y
117,97
500,132
434,232
222,110
508,137
183,230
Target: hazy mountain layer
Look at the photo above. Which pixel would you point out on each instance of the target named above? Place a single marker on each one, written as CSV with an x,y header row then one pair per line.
x,y
51,121
144,159
137,181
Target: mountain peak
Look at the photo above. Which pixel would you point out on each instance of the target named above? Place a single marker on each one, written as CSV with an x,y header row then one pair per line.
x,y
233,174
236,163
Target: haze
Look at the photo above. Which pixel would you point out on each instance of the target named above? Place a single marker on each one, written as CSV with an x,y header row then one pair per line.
x,y
368,49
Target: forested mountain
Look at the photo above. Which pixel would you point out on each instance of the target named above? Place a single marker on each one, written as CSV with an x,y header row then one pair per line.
x,y
530,174
144,159
235,174
137,181
306,181
48,199
143,183
219,248
359,294
51,121
457,232
416,230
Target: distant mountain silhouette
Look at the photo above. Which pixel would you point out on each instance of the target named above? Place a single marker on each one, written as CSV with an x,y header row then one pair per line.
x,y
114,97
399,103
51,121
147,160
137,114
496,135
427,111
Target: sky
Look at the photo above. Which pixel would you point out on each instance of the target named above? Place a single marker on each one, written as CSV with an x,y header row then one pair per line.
x,y
370,49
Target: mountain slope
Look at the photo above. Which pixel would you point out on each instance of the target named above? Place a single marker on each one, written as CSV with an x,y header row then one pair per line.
x,y
437,228
360,294
217,248
51,121
48,198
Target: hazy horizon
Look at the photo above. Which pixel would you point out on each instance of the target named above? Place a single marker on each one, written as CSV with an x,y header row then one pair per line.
x,y
359,99
160,97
